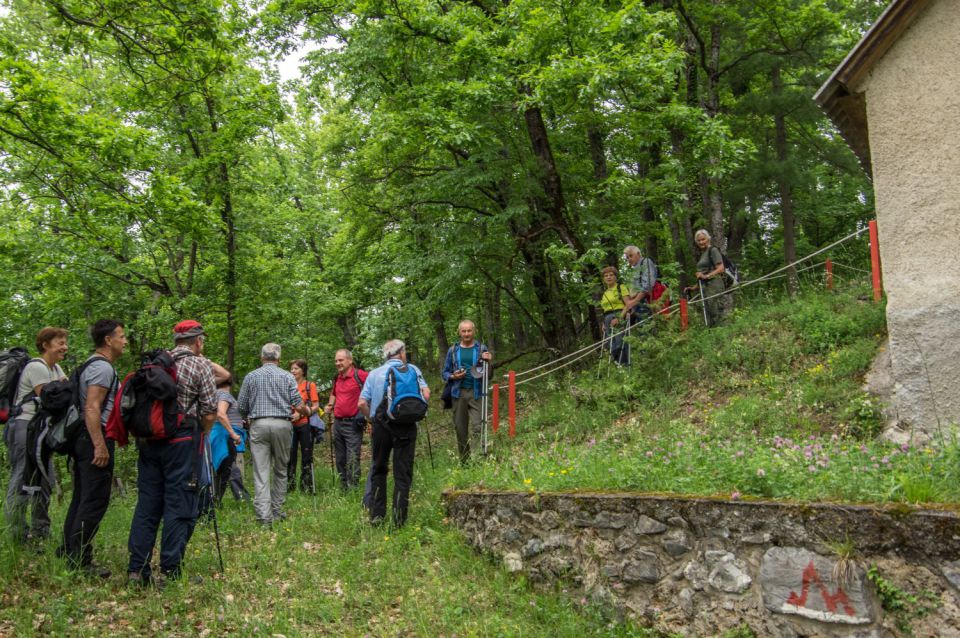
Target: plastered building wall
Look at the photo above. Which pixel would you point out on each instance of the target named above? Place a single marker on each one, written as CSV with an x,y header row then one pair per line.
x,y
913,111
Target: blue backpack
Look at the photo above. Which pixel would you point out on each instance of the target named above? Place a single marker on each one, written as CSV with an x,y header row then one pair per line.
x,y
403,401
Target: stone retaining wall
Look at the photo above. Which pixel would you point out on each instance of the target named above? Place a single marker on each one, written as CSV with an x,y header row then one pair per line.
x,y
700,566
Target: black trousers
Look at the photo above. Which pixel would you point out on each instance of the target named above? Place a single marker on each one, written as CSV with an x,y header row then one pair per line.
x,y
167,493
401,440
221,479
91,496
302,438
347,441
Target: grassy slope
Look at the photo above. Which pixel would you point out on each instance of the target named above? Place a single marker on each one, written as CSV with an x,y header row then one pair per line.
x,y
783,373
770,405
325,573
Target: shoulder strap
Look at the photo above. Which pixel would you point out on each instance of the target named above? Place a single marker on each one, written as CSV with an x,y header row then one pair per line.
x,y
356,377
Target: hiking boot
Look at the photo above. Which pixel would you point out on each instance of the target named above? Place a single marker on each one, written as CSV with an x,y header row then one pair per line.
x,y
95,571
280,516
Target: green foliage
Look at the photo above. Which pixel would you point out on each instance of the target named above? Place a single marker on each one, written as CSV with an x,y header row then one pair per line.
x,y
905,607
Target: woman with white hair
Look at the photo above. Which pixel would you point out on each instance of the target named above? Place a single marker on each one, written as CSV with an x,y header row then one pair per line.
x,y
710,274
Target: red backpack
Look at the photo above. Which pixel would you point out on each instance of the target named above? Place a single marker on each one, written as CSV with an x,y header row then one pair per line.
x,y
146,403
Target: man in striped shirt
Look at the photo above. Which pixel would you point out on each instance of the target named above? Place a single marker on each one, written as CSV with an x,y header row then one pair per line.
x,y
267,398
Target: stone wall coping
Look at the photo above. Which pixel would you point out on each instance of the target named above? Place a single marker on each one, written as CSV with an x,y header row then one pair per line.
x,y
924,533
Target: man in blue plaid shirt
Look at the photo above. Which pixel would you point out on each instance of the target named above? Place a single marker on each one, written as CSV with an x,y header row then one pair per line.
x,y
268,398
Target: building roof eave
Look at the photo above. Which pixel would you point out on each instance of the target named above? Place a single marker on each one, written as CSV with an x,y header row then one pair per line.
x,y
839,98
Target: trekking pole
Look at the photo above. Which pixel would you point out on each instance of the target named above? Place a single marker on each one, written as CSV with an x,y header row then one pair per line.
x,y
703,303
484,402
429,446
213,509
333,469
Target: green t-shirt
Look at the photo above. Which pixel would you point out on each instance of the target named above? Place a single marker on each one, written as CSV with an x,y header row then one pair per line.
x,y
468,359
710,259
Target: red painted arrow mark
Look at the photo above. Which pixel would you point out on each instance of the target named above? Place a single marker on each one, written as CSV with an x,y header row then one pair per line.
x,y
830,600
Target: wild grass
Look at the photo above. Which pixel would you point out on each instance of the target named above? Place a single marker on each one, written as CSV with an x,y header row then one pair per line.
x,y
325,572
770,405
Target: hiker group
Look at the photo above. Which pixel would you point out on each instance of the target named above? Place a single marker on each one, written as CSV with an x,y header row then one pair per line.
x,y
191,434
645,296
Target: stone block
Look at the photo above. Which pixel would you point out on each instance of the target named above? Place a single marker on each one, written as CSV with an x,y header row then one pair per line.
x,y
550,520
644,568
610,570
510,535
729,577
696,574
625,541
685,599
647,525
799,582
532,548
557,540
756,538
676,543
612,520
512,562
952,572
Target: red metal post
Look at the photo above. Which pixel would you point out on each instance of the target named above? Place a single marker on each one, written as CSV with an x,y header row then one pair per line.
x,y
512,403
829,265
875,260
496,407
684,320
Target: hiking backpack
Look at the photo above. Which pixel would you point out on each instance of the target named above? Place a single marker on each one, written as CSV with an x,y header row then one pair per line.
x,y
146,403
403,401
730,270
64,417
12,363
658,288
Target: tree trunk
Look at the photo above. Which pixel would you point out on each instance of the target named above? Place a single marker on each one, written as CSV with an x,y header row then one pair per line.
x,y
714,200
440,331
784,187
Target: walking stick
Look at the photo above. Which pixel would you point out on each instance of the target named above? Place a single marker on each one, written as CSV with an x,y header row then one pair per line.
x,y
333,469
213,508
483,407
703,303
429,446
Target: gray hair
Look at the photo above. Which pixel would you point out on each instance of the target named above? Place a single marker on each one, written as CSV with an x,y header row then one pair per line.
x,y
631,249
345,351
270,352
703,232
393,348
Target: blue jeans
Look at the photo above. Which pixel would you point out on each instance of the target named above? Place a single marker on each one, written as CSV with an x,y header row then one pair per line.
x,y
618,352
166,492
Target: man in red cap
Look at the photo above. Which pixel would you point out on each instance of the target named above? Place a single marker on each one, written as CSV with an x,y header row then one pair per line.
x,y
167,469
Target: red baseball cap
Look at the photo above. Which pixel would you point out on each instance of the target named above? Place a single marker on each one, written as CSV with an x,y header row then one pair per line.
x,y
187,329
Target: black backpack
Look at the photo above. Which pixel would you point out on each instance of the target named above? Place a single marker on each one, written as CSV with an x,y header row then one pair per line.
x,y
12,363
60,402
730,270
